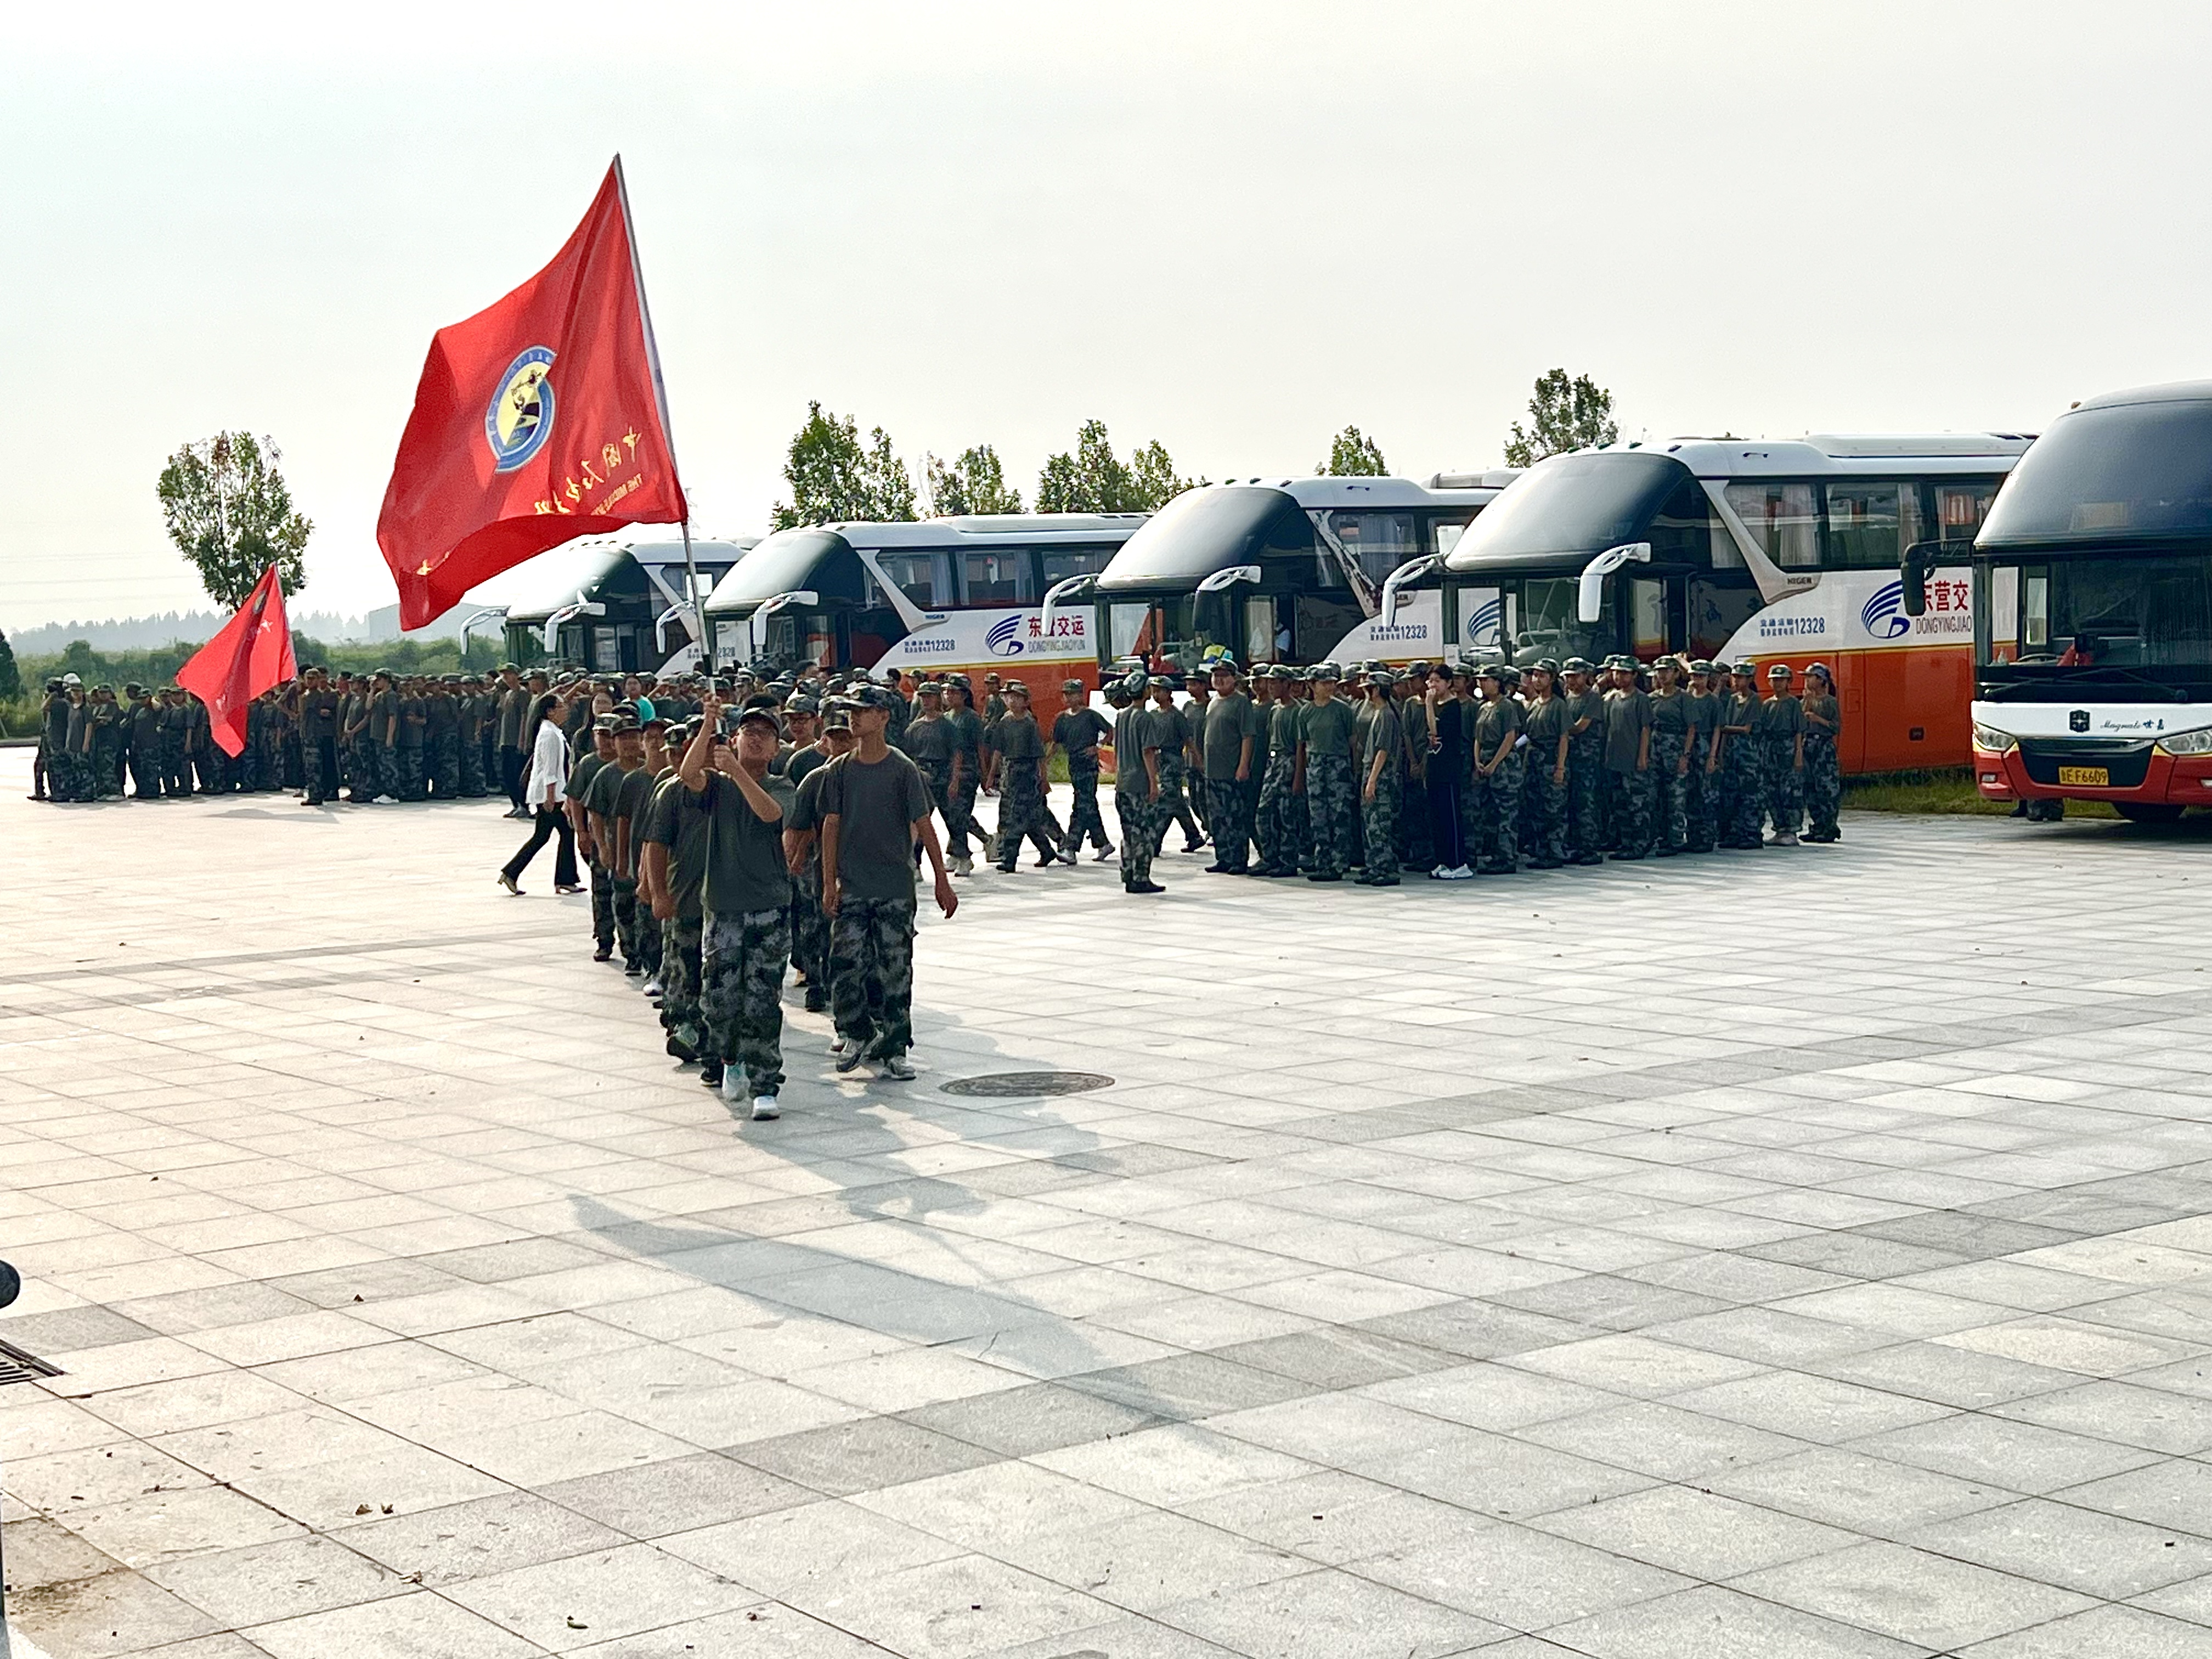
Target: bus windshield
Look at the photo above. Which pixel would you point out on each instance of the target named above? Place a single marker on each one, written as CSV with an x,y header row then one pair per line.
x,y
2111,612
1580,503
1199,533
2116,472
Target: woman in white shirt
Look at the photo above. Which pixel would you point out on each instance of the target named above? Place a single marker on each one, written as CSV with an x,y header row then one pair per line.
x,y
547,788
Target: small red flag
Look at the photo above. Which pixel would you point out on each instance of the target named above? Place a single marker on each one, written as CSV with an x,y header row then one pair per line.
x,y
251,654
536,420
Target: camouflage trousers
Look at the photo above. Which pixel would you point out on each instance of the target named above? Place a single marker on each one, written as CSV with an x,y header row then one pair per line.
x,y
741,963
630,931
371,769
1231,825
1202,801
1083,817
442,756
146,773
1742,793
1544,814
603,906
1173,808
1704,801
1379,820
1630,797
1271,825
472,772
1135,813
1498,816
809,933
871,974
410,781
681,943
1824,785
1586,778
1330,803
1022,813
1672,789
960,813
1784,784
176,776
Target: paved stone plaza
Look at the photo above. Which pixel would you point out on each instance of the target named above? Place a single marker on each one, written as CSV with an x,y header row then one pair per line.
x,y
1792,1256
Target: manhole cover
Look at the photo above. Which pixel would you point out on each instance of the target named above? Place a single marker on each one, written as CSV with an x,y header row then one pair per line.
x,y
1028,1083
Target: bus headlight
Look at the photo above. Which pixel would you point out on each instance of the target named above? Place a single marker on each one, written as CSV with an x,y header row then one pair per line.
x,y
2198,742
1991,741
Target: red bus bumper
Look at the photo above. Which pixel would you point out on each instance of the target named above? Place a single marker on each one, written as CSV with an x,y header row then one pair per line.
x,y
2183,781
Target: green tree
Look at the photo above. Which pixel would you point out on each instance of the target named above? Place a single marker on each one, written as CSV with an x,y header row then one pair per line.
x,y
1575,413
1354,454
1091,478
11,677
835,478
226,506
974,483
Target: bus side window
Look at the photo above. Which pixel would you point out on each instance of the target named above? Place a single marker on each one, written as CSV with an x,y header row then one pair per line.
x,y
1784,518
999,576
1648,614
1061,562
1960,508
924,578
1863,524
1380,541
2035,611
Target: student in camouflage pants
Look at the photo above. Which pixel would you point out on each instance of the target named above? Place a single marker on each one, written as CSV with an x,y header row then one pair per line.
x,y
1742,789
1325,765
1670,759
1271,820
1544,789
1022,814
742,960
1173,805
1781,742
1823,783
1704,782
1585,763
1377,751
1498,772
1136,758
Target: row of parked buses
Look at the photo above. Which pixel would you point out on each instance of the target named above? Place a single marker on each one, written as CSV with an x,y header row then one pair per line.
x,y
1858,551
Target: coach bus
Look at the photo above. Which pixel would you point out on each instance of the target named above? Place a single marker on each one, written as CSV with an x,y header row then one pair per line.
x,y
2091,593
957,594
613,604
1280,570
1734,548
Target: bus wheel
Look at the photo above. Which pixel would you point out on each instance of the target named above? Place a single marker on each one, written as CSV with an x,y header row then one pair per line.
x,y
2143,811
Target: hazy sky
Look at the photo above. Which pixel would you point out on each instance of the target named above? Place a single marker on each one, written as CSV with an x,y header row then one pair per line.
x,y
1232,228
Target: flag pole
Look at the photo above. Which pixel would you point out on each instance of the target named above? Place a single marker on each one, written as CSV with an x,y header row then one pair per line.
x,y
700,637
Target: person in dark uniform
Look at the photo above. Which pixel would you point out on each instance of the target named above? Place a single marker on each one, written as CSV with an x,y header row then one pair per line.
x,y
1077,732
1497,773
1824,728
1136,781
513,705
1022,815
319,736
1378,740
1173,804
1628,760
1325,772
1232,752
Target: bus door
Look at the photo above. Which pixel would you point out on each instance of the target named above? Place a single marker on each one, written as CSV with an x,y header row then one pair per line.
x,y
1264,633
1652,611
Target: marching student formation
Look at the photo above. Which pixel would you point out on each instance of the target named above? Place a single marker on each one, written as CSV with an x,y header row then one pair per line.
x,y
734,832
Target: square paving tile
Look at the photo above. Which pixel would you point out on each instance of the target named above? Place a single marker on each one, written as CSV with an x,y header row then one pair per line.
x,y
1912,1595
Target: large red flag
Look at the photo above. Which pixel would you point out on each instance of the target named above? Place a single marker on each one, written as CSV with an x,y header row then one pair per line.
x,y
536,420
252,653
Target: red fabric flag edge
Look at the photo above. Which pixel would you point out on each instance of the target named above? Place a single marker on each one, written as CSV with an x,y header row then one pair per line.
x,y
251,654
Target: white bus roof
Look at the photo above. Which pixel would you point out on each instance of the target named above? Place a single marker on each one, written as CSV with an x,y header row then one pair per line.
x,y
1851,454
538,587
1442,489
989,529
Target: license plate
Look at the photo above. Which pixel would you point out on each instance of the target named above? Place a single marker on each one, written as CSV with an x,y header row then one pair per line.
x,y
2086,777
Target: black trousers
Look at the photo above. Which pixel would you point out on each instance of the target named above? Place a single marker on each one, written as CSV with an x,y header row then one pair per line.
x,y
551,822
511,775
1446,831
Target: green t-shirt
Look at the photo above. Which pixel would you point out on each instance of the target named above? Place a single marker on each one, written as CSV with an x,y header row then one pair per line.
x,y
876,804
632,791
1326,728
1546,722
967,738
1016,738
1283,724
804,762
1781,717
929,741
1586,705
1078,732
673,818
1229,720
1494,722
1172,732
588,766
744,872
1830,714
1378,731
1670,713
1627,718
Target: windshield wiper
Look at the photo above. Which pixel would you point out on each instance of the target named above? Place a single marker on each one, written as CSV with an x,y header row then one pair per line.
x,y
2046,674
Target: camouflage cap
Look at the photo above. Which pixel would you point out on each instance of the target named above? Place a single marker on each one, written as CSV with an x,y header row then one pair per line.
x,y
1071,685
131,689
1016,689
1420,667
1490,671
507,668
1163,682
873,696
1327,671
1381,679
1746,669
1779,672
1821,669
1281,670
1135,683
1545,666
1702,665
837,718
1197,676
802,708
757,712
1577,665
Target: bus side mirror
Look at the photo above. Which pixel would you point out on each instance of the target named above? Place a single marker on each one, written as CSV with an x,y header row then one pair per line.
x,y
1912,576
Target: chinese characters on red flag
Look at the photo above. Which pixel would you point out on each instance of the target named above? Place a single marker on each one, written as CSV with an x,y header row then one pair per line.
x,y
536,420
252,653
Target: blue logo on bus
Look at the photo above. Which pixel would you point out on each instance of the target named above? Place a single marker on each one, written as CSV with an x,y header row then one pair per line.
x,y
1482,626
1003,639
1884,616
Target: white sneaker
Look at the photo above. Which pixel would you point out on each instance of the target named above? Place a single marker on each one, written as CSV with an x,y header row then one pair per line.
x,y
733,1083
895,1065
653,986
387,800
764,1108
837,1045
1785,839
964,867
1460,872
1066,856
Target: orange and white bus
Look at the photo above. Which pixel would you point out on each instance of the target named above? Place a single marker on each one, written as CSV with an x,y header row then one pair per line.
x,y
1734,548
951,595
2092,611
